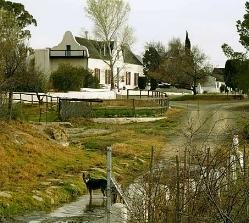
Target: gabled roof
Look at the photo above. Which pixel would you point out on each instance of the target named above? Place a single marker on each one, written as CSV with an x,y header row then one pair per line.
x,y
96,48
130,57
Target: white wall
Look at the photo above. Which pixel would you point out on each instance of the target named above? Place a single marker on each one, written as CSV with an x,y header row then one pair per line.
x,y
86,95
133,68
42,62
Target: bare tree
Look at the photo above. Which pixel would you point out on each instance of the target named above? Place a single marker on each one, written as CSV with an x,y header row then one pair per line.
x,y
185,69
110,20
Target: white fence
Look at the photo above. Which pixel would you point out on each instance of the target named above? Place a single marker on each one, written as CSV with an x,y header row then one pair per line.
x,y
31,97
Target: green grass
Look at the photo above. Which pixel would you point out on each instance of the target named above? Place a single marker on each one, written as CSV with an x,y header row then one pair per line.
x,y
125,112
109,108
28,112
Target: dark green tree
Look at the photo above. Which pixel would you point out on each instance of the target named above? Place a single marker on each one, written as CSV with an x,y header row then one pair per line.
x,y
231,73
158,46
231,54
151,61
243,77
21,15
243,28
187,44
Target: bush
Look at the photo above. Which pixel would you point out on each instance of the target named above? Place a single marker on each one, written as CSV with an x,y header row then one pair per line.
x,y
90,81
142,82
153,84
70,78
222,88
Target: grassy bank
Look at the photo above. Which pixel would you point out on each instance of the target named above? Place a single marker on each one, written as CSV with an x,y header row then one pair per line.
x,y
36,173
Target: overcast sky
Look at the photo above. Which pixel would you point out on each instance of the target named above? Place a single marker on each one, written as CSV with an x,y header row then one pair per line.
x,y
210,23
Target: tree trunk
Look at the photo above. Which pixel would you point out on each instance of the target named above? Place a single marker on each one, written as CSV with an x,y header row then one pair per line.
x,y
10,105
112,77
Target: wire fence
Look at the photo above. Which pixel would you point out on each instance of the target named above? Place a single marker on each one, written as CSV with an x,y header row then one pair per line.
x,y
43,107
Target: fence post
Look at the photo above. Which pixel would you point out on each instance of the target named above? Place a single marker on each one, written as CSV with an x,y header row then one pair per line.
x,y
51,102
127,94
140,93
46,109
59,108
58,104
109,166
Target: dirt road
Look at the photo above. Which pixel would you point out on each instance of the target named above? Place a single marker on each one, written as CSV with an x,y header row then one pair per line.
x,y
204,125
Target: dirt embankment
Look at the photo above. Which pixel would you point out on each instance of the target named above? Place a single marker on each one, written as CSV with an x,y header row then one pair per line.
x,y
36,172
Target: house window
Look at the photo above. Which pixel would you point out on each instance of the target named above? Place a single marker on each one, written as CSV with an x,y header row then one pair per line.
x,y
107,76
68,50
136,75
128,78
97,74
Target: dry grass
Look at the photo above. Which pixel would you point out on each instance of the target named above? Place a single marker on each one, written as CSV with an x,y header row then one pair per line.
x,y
29,159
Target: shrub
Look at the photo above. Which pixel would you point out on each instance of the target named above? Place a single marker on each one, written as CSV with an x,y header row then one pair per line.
x,y
142,81
90,81
70,78
153,84
222,88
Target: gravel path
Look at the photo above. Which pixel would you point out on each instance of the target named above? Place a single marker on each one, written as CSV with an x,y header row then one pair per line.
x,y
204,125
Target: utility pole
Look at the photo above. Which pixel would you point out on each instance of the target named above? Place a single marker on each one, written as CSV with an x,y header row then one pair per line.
x,y
109,167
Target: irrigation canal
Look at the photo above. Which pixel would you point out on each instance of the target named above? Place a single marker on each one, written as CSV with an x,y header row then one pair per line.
x,y
80,211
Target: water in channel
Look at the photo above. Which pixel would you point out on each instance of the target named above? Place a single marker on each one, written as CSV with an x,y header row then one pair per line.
x,y
80,211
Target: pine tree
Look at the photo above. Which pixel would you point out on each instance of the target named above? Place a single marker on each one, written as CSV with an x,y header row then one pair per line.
x,y
187,44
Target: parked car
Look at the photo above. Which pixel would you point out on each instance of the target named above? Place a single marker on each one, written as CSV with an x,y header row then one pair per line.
x,y
163,85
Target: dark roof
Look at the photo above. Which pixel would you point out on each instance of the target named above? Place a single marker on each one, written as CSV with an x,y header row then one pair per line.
x,y
96,49
218,73
130,57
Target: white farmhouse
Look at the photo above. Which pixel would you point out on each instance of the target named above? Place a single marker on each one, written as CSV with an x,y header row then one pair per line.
x,y
91,55
213,82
